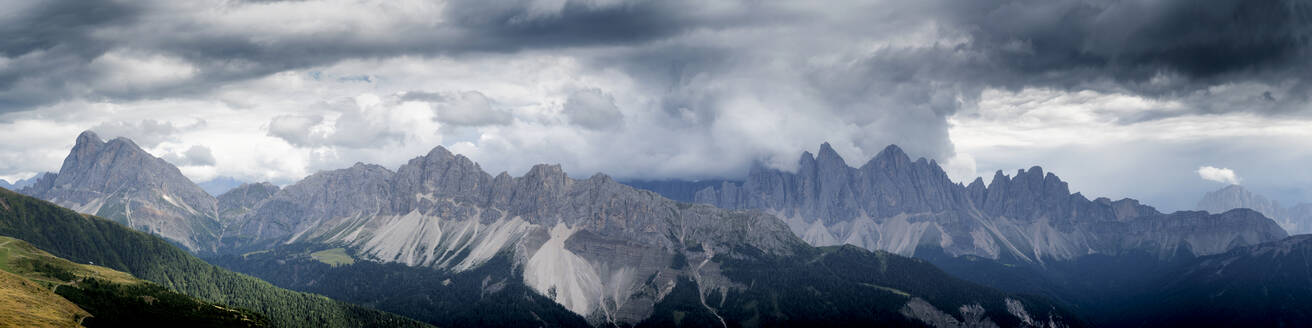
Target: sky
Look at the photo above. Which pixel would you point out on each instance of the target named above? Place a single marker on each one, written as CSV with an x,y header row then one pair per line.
x,y
1160,100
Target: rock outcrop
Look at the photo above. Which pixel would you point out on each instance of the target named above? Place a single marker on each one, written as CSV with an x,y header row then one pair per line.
x,y
118,180
898,205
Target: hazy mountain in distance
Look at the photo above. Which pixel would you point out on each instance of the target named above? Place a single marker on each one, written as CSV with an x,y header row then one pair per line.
x,y
238,201
119,181
1296,219
678,190
606,251
20,184
218,186
895,204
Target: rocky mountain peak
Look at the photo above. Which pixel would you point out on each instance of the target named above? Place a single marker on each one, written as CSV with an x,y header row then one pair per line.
x,y
978,183
120,181
828,157
891,157
439,153
440,156
550,175
806,158
87,138
999,180
602,177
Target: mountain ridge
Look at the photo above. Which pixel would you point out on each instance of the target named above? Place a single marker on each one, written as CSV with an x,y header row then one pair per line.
x,y
896,204
569,239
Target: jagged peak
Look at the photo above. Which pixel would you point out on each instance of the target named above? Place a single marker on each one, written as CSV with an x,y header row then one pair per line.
x,y
892,153
893,150
999,179
545,170
977,183
1034,171
602,177
828,155
88,137
439,152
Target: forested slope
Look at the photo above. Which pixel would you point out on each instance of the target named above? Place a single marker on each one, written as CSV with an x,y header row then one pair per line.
x,y
87,239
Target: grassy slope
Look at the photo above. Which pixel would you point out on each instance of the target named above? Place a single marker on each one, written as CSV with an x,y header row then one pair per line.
x,y
87,239
25,303
107,296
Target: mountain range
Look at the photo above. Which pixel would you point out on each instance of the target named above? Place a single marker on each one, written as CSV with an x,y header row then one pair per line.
x,y
604,251
1296,219
442,240
894,204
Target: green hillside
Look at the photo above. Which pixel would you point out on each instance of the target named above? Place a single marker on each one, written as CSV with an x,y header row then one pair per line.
x,y
62,293
91,240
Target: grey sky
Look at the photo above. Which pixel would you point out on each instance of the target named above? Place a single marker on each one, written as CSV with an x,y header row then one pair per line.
x,y
1121,98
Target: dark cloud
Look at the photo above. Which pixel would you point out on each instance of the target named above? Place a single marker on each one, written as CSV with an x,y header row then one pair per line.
x,y
739,81
46,44
1070,43
67,25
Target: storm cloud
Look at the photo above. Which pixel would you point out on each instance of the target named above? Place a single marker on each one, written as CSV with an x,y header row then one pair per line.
x,y
650,89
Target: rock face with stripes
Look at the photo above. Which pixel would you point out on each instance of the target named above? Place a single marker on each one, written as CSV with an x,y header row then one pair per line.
x,y
118,180
895,204
601,249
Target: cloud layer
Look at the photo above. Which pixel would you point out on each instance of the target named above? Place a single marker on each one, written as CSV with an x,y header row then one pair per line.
x,y
275,90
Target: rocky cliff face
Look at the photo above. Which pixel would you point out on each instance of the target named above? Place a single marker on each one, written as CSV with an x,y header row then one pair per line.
x,y
118,180
1295,220
600,248
603,250
895,204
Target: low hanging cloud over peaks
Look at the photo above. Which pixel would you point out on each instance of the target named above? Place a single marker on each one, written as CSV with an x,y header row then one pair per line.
x,y
662,89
